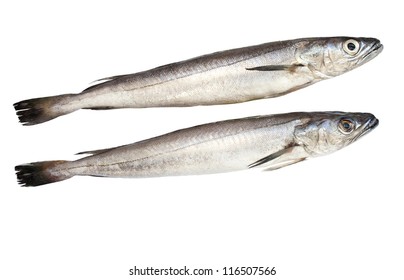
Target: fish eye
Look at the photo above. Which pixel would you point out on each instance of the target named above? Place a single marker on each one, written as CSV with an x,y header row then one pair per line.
x,y
351,46
346,126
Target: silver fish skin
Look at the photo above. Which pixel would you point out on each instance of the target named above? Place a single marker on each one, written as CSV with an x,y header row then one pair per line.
x,y
232,76
271,142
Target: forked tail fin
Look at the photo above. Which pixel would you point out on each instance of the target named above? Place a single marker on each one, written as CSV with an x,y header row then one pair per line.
x,y
41,173
39,110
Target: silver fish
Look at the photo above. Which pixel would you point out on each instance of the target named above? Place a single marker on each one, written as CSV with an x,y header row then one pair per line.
x,y
232,76
271,142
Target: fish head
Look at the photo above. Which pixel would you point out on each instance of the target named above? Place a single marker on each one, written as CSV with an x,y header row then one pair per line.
x,y
327,132
330,57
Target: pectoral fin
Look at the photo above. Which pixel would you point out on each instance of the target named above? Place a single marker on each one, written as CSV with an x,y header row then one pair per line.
x,y
282,158
283,164
291,68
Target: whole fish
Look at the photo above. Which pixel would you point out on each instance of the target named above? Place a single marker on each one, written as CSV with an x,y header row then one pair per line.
x,y
272,142
232,76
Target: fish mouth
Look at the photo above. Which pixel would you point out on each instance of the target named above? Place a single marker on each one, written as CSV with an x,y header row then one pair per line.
x,y
370,124
374,50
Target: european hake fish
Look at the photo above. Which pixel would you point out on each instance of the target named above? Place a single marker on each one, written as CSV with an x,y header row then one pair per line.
x,y
271,142
232,76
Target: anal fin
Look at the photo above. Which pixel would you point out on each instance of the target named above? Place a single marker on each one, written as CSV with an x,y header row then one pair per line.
x,y
101,108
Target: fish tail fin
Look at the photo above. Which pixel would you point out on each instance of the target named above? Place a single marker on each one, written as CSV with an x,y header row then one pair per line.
x,y
41,173
39,110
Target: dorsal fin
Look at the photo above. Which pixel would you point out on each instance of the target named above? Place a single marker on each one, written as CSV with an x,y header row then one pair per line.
x,y
101,151
95,152
105,80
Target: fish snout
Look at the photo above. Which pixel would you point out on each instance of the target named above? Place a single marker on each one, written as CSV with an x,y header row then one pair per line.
x,y
374,48
377,46
372,123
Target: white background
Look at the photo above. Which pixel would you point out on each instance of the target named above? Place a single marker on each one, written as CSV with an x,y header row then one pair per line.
x,y
334,217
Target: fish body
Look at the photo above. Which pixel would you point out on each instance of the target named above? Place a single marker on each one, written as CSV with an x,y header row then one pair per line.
x,y
262,71
271,142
